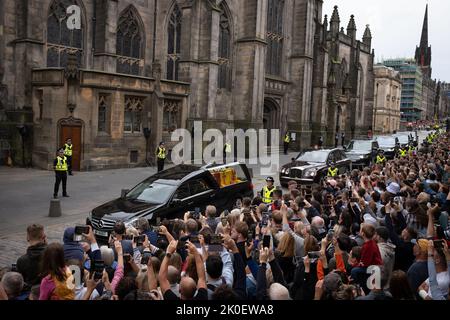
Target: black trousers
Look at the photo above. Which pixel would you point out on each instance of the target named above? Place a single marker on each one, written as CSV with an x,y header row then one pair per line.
x,y
286,147
160,164
60,176
69,163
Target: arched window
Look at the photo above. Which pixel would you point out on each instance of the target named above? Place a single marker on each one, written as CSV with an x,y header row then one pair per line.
x,y
61,40
174,43
129,45
274,37
224,76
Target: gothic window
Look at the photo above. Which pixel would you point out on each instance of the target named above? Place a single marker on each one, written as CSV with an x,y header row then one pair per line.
x,y
103,113
133,114
274,37
172,115
129,45
224,76
174,43
62,41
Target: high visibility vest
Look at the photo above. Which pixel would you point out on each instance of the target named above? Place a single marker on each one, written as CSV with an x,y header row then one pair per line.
x,y
287,138
68,150
227,148
61,164
381,160
161,153
333,173
411,149
267,194
429,139
402,152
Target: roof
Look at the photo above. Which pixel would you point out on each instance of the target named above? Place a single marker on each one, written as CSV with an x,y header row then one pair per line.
x,y
180,172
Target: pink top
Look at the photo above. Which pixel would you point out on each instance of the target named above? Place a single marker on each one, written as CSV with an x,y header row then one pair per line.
x,y
118,275
47,288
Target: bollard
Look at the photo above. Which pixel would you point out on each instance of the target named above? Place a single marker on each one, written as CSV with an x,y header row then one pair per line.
x,y
55,208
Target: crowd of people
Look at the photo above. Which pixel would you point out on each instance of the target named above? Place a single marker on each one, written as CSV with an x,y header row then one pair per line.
x,y
380,233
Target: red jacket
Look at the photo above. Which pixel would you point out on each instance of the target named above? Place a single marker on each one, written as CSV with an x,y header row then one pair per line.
x,y
370,254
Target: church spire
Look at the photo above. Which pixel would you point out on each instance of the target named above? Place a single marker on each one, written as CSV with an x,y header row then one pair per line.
x,y
423,52
424,37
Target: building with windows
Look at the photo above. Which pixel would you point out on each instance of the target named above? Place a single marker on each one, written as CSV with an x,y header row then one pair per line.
x,y
119,76
411,106
388,91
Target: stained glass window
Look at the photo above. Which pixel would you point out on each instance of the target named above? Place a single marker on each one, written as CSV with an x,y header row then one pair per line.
x,y
274,37
133,114
62,41
129,43
174,43
224,75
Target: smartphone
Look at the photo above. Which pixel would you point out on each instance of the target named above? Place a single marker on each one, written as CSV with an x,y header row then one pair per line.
x,y
330,235
97,268
249,238
14,267
264,221
181,244
139,240
158,221
145,257
155,229
314,255
215,243
266,241
438,244
195,241
287,203
80,229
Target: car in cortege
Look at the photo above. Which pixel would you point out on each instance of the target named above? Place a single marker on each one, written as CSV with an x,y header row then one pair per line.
x,y
311,166
404,138
362,152
171,193
389,145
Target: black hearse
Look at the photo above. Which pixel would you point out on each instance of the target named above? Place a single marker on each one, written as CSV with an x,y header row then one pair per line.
x,y
171,193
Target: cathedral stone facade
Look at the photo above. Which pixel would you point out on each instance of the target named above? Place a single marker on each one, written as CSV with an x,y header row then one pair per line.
x,y
128,73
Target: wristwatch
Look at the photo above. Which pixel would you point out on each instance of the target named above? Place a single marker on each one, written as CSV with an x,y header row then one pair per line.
x,y
168,255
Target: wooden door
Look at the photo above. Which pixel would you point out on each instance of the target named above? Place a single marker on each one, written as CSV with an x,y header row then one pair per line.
x,y
74,133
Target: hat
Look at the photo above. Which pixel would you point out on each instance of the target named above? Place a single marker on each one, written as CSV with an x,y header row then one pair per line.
x,y
422,244
393,188
380,151
331,282
270,179
370,220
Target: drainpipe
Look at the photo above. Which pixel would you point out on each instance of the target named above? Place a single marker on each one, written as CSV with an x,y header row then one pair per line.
x,y
154,29
94,24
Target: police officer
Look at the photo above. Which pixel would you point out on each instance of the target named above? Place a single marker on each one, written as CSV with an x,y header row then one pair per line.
x,y
320,142
60,166
333,171
226,150
287,140
411,148
161,156
267,191
402,152
68,153
336,140
343,139
381,159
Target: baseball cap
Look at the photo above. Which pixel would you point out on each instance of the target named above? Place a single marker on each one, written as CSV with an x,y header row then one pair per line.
x,y
370,220
270,179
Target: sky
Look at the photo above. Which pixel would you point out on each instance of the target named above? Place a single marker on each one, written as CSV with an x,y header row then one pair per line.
x,y
396,27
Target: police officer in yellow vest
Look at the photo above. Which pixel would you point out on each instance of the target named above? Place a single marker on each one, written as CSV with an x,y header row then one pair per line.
x,y
381,159
287,140
333,171
402,152
267,191
68,153
60,166
161,156
411,149
226,151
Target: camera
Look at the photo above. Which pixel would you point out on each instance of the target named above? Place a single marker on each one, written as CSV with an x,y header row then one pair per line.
x,y
156,229
249,237
313,256
266,241
195,214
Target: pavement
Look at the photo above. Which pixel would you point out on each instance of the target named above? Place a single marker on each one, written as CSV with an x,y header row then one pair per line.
x,y
25,196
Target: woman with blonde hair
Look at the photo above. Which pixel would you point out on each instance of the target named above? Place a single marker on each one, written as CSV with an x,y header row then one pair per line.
x,y
284,254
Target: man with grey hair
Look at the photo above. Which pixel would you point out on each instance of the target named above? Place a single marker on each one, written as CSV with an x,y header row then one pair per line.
x,y
12,283
143,227
211,217
278,292
174,277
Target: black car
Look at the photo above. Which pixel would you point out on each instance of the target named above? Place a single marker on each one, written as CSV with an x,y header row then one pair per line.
x,y
311,166
362,152
171,193
389,145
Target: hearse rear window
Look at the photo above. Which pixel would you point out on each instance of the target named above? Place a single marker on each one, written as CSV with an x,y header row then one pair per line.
x,y
227,176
